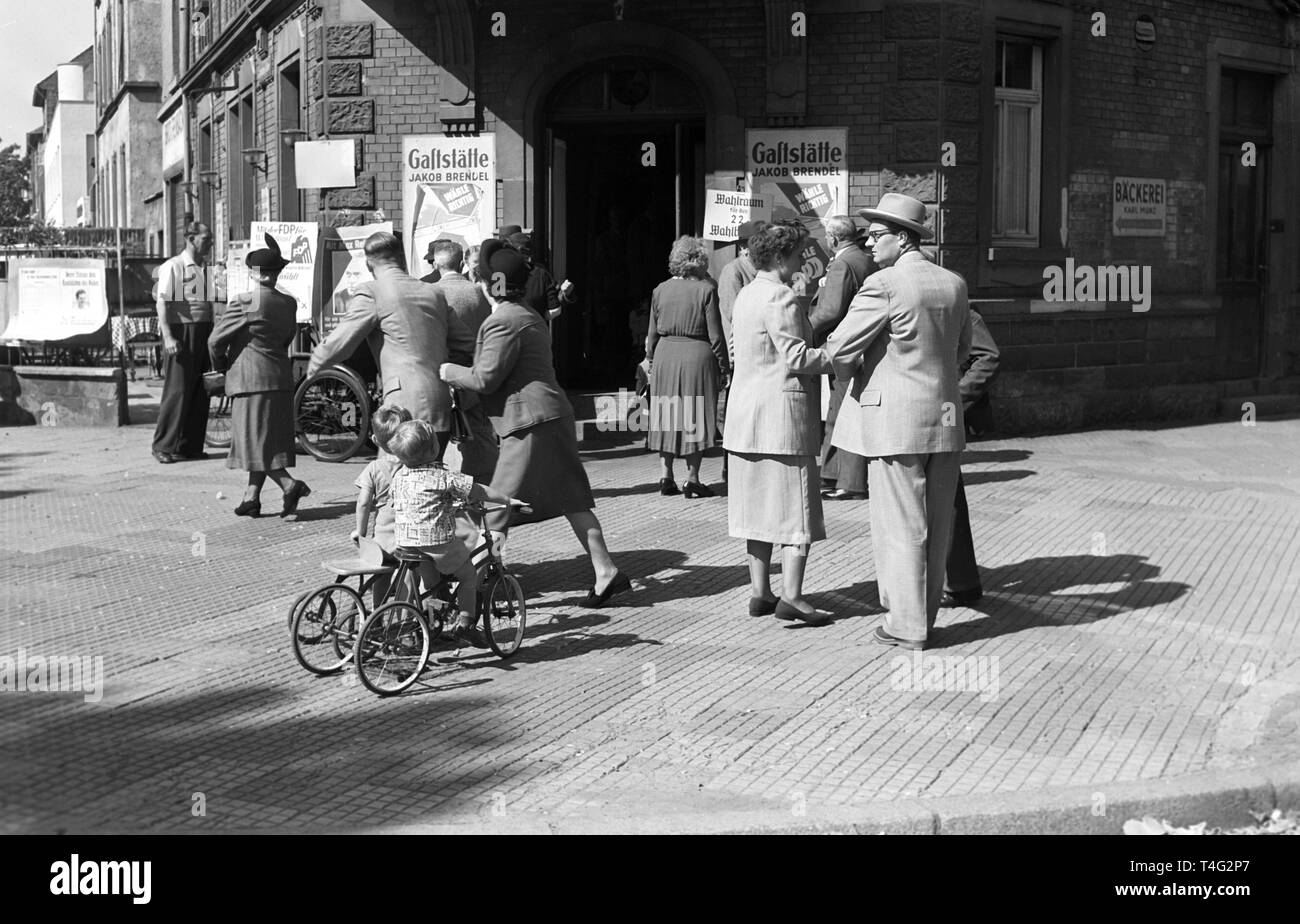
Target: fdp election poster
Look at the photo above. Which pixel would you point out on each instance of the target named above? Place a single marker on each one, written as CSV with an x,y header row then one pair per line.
x,y
55,298
345,268
449,190
803,173
298,242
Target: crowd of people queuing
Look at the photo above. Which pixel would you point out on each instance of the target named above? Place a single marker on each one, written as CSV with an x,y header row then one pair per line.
x,y
741,359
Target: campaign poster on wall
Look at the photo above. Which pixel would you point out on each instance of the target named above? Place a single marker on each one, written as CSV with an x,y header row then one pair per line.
x,y
53,299
298,243
725,210
345,268
237,281
448,191
804,174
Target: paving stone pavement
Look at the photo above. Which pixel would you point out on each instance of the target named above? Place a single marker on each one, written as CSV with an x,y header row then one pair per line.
x,y
1139,623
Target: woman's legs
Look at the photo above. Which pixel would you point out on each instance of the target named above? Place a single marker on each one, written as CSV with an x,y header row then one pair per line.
x,y
254,490
760,569
281,476
693,467
467,593
587,528
666,465
794,558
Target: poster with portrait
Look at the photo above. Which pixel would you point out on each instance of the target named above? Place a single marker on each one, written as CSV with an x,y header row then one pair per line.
x,y
448,191
344,261
53,299
298,241
804,175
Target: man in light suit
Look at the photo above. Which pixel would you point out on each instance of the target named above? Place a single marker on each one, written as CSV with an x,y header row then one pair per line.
x,y
903,340
411,332
844,474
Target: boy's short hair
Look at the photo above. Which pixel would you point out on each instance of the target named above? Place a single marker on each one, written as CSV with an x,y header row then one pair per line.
x,y
415,443
385,421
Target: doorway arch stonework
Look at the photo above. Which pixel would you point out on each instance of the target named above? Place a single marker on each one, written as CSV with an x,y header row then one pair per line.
x,y
521,113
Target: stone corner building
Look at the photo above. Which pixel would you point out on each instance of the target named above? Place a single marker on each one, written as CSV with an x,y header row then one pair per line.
x,y
1161,137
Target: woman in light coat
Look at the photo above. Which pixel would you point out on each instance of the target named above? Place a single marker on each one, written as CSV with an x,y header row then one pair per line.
x,y
771,431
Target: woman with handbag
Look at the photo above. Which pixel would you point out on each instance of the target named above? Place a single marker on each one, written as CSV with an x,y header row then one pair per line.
x,y
251,343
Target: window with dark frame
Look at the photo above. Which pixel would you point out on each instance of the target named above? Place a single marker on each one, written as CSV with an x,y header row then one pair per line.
x,y
1017,141
290,112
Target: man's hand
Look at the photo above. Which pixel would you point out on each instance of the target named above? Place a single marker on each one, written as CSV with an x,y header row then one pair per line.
x,y
355,537
312,368
442,370
170,345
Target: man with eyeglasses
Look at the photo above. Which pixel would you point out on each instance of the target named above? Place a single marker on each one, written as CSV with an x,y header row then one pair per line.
x,y
903,341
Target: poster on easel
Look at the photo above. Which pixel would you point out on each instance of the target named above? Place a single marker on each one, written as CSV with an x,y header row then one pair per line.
x,y
344,260
298,241
54,299
448,191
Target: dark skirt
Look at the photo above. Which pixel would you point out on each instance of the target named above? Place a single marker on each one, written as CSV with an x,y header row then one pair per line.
x,y
683,411
541,466
261,431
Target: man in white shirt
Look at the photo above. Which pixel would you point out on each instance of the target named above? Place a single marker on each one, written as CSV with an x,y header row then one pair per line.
x,y
186,291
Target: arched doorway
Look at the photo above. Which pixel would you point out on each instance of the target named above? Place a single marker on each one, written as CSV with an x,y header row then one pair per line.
x,y
623,162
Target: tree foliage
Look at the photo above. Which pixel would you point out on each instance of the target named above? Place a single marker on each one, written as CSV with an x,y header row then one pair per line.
x,y
14,170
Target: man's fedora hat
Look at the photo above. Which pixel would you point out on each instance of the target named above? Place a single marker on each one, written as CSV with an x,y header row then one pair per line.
x,y
504,232
499,257
748,230
900,210
267,258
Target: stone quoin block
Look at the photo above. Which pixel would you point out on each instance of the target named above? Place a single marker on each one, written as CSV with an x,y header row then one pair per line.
x,y
959,226
961,104
350,40
967,141
346,218
916,143
961,62
912,19
904,103
959,185
961,21
344,116
918,60
338,78
921,185
361,196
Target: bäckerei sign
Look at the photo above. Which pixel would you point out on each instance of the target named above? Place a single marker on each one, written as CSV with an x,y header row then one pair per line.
x,y
1138,206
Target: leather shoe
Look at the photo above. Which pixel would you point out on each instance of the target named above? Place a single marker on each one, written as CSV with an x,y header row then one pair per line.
x,y
617,586
166,458
292,496
696,489
953,598
758,606
249,509
668,487
885,638
788,612
193,456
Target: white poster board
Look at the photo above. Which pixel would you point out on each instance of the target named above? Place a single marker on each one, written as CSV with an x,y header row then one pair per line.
x,y
448,191
55,298
725,210
298,241
804,174
345,268
325,164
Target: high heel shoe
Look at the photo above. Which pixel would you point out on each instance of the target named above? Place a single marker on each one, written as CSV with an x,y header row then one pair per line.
x,y
618,585
292,496
789,612
668,487
249,508
696,489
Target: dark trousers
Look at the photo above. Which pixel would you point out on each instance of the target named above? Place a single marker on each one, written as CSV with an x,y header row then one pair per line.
x,y
847,470
963,573
183,411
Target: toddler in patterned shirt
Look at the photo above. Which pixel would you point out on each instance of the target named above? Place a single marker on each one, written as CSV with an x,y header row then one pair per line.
x,y
429,515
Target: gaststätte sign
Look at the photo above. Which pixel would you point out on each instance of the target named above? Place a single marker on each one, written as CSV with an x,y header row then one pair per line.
x,y
449,190
1138,206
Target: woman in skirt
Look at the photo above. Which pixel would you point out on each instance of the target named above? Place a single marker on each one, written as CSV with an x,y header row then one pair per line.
x,y
687,353
771,433
251,343
539,461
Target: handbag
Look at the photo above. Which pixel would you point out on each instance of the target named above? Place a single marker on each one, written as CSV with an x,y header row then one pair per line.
x,y
214,383
460,429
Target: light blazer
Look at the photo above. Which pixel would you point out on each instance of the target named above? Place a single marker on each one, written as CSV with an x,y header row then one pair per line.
x,y
775,403
411,332
903,342
513,371
250,342
847,271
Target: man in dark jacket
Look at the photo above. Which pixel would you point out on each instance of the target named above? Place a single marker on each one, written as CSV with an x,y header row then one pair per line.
x,y
541,293
963,585
844,473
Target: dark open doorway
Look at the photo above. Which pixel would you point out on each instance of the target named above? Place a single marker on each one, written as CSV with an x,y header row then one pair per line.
x,y
624,177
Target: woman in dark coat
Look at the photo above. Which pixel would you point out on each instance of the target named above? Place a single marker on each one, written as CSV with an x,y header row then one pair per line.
x,y
687,353
539,462
251,343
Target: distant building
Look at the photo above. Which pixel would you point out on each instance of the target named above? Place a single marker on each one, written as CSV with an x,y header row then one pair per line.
x,y
128,185
63,148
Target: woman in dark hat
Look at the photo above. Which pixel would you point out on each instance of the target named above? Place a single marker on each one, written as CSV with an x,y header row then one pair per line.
x,y
251,343
539,461
540,292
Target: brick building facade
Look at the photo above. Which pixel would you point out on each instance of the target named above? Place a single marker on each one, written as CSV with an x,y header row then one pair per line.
x,y
1012,119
